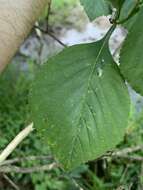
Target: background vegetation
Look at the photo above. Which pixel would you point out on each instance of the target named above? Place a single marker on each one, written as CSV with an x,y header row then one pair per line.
x,y
113,171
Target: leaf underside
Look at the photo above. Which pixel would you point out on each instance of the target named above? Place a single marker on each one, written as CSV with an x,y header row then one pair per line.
x,y
96,8
131,57
80,104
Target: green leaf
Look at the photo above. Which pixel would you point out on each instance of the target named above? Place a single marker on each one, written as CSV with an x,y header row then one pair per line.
x,y
127,8
96,8
80,103
117,3
131,57
125,11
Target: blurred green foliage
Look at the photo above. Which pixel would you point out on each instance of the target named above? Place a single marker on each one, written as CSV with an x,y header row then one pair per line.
x,y
59,12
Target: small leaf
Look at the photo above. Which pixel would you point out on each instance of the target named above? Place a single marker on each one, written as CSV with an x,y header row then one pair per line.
x,y
125,11
96,8
80,103
131,57
117,3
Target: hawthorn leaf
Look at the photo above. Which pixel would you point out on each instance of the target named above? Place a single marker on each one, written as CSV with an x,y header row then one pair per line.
x,y
80,103
131,57
96,8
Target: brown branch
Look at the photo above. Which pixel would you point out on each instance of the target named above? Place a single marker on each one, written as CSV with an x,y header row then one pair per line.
x,y
131,158
28,158
127,150
51,35
22,170
48,15
125,154
11,182
15,142
119,153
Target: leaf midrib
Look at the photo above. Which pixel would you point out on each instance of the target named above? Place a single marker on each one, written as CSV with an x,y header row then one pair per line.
x,y
85,96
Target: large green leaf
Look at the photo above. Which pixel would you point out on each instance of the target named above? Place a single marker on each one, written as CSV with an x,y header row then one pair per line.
x,y
131,57
96,8
80,103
